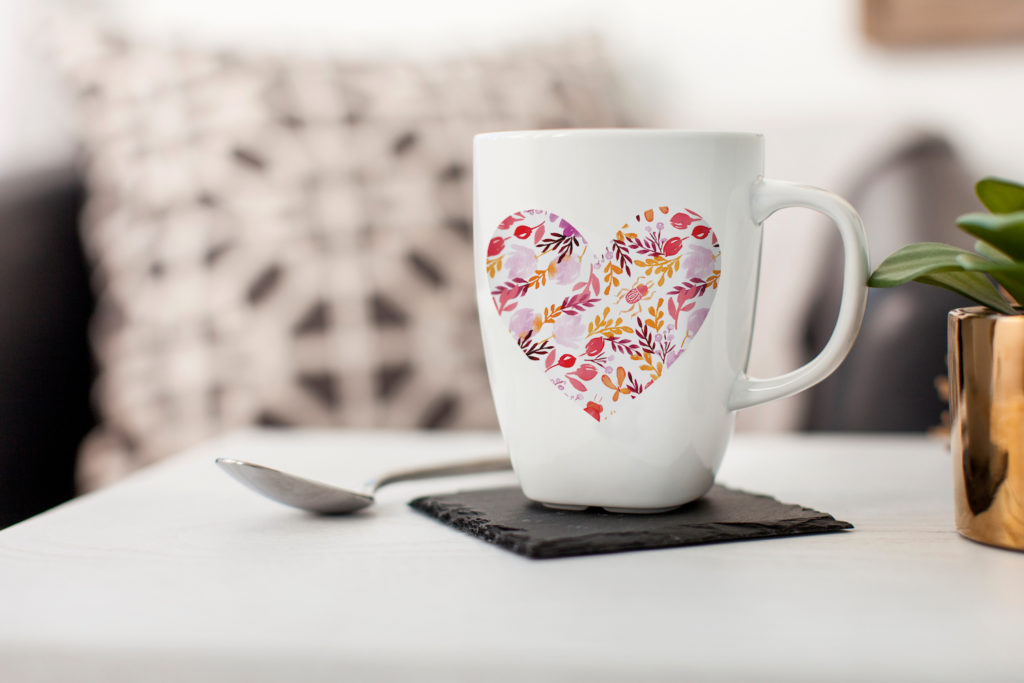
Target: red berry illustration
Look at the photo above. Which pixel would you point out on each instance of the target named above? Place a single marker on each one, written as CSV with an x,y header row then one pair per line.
x,y
700,232
495,246
681,221
595,345
567,360
673,246
523,231
586,372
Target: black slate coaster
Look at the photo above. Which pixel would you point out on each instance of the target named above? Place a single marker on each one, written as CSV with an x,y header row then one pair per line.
x,y
505,516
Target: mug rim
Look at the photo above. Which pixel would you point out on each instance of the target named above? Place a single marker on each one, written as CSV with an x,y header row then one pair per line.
x,y
554,133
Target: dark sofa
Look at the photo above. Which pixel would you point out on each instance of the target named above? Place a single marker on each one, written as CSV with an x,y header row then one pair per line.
x,y
46,367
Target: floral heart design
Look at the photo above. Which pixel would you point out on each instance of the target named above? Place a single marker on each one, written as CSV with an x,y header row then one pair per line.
x,y
604,327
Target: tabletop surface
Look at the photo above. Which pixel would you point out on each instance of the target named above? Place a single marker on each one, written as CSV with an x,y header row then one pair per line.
x,y
179,573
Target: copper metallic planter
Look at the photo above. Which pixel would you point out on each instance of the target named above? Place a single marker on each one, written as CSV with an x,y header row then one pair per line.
x,y
986,402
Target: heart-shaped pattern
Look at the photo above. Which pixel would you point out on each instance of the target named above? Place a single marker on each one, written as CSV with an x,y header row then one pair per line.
x,y
604,326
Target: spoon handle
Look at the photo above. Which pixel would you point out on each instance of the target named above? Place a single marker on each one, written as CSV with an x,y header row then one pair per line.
x,y
496,464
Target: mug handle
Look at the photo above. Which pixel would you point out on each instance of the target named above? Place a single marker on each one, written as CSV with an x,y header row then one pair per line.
x,y
767,197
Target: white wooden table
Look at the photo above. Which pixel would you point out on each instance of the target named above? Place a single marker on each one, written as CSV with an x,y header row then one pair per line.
x,y
179,573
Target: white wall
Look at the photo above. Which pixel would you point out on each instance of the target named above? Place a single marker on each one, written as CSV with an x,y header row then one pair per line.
x,y
798,70
725,64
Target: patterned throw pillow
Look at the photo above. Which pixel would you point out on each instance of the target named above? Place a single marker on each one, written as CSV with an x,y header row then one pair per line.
x,y
287,241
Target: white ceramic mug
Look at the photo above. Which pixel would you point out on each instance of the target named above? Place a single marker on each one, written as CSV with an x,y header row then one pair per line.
x,y
616,275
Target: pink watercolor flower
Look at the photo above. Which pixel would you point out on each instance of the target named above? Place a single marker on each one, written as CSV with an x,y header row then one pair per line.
x,y
698,262
695,320
568,330
521,322
567,271
519,261
567,229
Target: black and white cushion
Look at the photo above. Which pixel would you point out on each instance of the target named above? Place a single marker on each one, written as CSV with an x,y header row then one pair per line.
x,y
286,241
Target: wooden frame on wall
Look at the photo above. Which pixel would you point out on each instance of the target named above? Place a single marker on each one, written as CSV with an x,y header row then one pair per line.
x,y
909,23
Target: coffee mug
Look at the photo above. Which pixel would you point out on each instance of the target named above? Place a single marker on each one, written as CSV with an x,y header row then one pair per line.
x,y
616,277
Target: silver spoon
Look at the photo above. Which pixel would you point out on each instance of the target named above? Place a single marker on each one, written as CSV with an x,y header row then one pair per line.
x,y
326,499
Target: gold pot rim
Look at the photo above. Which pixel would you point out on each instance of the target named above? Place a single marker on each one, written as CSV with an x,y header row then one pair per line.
x,y
984,312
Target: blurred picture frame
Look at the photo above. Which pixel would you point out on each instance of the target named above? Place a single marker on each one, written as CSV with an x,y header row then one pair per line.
x,y
914,23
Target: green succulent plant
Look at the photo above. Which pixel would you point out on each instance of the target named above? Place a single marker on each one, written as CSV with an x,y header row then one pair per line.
x,y
998,256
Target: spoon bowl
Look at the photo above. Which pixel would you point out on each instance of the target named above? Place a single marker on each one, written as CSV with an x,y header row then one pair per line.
x,y
326,499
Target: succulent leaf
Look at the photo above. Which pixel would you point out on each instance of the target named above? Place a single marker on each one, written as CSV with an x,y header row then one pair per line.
x,y
999,195
914,260
1003,231
972,285
991,253
998,256
1008,274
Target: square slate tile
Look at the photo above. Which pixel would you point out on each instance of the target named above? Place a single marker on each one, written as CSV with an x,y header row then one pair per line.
x,y
505,517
